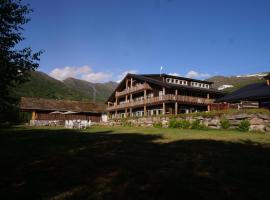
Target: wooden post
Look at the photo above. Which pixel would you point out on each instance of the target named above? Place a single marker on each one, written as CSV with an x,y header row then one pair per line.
x,y
125,112
126,83
126,98
268,82
145,93
144,110
176,108
130,97
208,106
130,112
131,82
33,115
163,109
164,91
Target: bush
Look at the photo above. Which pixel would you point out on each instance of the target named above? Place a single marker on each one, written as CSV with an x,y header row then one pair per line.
x,y
157,124
184,124
225,123
244,126
196,125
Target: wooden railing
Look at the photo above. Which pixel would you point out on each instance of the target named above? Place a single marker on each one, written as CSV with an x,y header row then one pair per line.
x,y
136,88
164,98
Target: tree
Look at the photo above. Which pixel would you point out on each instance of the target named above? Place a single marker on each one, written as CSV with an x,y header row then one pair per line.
x,y
15,64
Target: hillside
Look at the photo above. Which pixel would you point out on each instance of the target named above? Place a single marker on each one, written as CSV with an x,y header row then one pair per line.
x,y
44,86
235,81
96,91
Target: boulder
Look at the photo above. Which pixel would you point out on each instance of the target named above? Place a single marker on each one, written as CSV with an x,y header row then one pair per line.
x,y
241,116
260,128
214,122
256,121
264,117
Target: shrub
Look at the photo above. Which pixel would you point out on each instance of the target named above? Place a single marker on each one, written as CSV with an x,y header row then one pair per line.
x,y
196,125
225,123
244,125
184,124
157,124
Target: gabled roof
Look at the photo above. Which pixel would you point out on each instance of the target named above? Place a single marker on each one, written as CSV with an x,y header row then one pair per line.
x,y
28,103
149,79
252,92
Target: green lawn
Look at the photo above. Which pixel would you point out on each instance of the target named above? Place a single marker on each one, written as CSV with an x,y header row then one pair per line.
x,y
133,163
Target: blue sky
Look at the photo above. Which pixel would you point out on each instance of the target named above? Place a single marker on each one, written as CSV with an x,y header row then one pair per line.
x,y
100,40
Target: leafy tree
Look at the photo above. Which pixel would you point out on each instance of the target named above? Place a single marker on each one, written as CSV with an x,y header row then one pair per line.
x,y
15,64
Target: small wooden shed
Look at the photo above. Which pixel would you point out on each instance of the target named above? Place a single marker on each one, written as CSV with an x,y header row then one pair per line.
x,y
51,109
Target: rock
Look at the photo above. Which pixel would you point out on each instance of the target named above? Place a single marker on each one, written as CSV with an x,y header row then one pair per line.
x,y
256,121
267,129
260,128
214,122
235,122
265,117
241,116
214,127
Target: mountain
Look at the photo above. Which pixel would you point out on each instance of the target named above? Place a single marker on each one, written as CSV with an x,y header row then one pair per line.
x,y
96,91
232,83
44,86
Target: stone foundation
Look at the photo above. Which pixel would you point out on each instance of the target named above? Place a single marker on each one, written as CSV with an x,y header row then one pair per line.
x,y
258,122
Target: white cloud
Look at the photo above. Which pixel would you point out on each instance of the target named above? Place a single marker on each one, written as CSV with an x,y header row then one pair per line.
x,y
174,74
123,74
194,74
97,77
84,72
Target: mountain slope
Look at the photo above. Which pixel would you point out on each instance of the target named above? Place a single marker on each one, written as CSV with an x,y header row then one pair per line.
x,y
44,86
236,81
96,91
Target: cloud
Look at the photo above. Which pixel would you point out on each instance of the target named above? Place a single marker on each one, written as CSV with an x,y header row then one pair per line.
x,y
174,74
85,73
123,74
194,74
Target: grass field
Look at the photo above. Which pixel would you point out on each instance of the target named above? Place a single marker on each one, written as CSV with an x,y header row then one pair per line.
x,y
133,163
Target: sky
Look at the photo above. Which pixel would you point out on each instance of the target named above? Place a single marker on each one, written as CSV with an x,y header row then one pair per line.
x,y
102,40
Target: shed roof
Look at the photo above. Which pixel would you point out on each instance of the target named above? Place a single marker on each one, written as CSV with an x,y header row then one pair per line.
x,y
29,103
252,92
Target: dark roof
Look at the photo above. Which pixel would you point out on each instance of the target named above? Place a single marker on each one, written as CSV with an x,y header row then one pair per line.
x,y
148,79
267,76
179,77
252,92
28,103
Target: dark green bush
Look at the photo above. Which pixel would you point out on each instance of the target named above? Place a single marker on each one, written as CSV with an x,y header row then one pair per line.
x,y
197,125
225,123
184,124
244,126
157,125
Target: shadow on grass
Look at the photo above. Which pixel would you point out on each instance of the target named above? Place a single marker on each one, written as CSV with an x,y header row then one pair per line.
x,y
63,164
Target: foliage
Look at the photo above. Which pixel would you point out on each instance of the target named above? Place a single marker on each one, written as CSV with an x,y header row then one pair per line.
x,y
225,123
221,113
197,125
14,64
244,125
157,124
183,124
125,122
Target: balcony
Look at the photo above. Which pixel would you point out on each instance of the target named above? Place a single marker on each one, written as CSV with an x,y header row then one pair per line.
x,y
161,99
136,88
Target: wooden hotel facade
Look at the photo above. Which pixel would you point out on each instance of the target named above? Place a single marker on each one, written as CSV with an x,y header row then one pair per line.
x,y
155,94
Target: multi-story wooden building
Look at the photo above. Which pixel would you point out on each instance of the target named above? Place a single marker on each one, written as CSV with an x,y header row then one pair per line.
x,y
155,94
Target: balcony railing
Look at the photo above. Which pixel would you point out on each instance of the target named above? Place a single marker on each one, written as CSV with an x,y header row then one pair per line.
x,y
136,88
161,99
